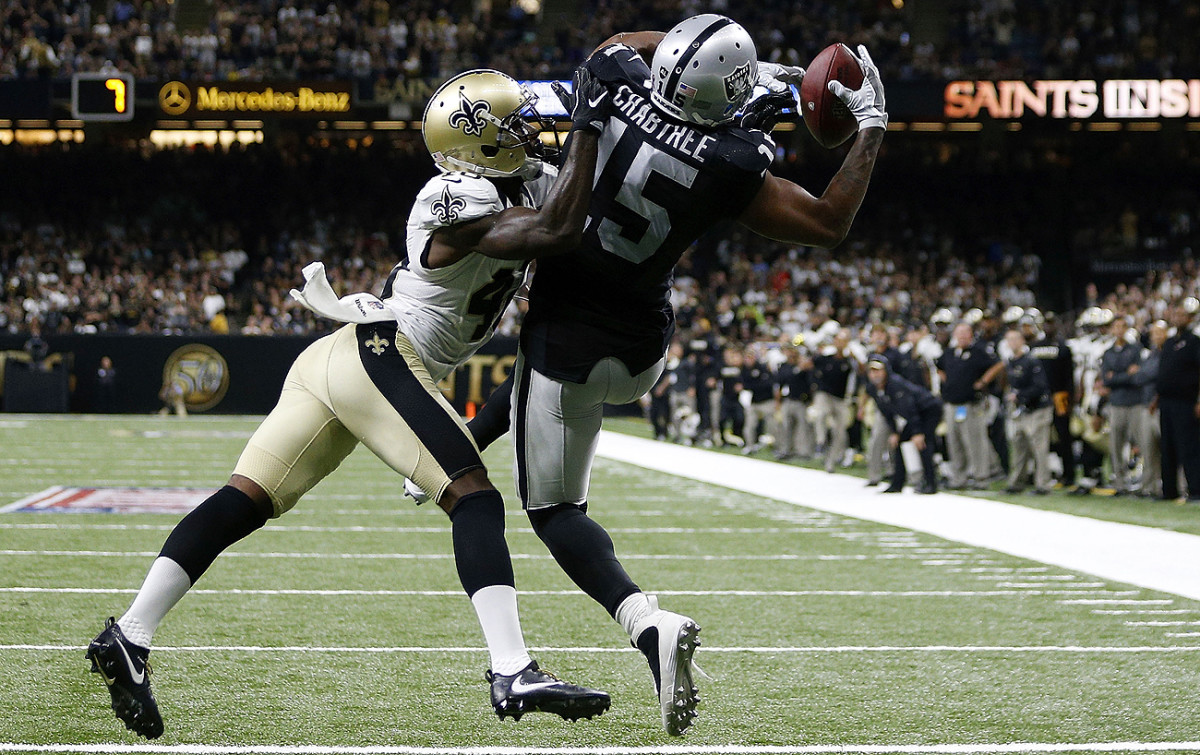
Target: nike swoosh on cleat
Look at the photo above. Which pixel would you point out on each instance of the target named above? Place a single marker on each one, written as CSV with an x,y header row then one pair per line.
x,y
107,679
138,676
521,687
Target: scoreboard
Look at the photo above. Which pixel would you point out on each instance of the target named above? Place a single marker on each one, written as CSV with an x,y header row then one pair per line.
x,y
102,96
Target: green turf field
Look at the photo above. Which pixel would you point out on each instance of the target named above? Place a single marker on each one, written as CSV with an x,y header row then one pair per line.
x,y
342,624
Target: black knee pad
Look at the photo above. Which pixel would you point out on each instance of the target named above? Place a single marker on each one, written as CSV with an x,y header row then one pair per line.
x,y
225,517
540,518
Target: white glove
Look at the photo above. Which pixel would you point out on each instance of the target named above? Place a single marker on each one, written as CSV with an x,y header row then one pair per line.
x,y
776,77
865,103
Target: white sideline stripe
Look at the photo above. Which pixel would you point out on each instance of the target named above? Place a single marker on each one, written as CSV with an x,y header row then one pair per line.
x,y
606,650
514,556
943,749
577,593
1144,556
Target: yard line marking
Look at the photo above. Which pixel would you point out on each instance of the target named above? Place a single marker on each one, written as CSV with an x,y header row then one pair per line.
x,y
1143,611
1183,634
1006,748
1043,584
574,593
1083,649
1147,602
943,749
1162,623
515,556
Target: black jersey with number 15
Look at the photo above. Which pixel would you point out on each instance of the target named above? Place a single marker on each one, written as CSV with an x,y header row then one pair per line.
x,y
660,184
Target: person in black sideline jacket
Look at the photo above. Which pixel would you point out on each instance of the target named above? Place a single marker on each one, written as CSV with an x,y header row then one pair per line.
x,y
1177,400
1029,415
910,413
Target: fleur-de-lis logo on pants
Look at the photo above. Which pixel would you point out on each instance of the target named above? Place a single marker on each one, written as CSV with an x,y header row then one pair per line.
x,y
376,344
447,207
469,116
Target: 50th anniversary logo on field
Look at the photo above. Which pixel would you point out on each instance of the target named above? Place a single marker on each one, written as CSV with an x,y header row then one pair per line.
x,y
288,99
199,373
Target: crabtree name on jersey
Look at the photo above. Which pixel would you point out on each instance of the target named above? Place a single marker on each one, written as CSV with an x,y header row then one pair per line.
x,y
676,135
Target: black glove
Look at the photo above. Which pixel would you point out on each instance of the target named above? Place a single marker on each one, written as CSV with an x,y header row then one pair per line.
x,y
766,111
587,102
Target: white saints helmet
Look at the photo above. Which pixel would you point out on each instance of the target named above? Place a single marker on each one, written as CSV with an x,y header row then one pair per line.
x,y
704,70
482,122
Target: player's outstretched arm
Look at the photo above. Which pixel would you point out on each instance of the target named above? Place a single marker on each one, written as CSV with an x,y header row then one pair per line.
x,y
645,42
557,227
786,212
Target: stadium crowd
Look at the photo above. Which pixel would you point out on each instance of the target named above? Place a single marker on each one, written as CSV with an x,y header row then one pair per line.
x,y
380,41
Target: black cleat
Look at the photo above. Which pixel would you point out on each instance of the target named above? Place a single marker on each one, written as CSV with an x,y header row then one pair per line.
x,y
531,690
123,667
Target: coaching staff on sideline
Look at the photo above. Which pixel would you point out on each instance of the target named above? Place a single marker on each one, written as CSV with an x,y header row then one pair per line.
x,y
1178,403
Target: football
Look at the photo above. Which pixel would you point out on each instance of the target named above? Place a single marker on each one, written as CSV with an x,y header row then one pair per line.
x,y
826,116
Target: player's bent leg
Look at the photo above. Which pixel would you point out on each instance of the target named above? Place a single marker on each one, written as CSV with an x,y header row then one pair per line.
x,y
121,651
556,426
297,444
518,684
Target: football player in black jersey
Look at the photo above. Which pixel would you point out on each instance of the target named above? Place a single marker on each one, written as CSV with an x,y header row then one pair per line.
x,y
674,160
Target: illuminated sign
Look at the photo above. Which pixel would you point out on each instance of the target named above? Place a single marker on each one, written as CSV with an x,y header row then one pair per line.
x,y
1076,99
102,97
545,100
263,99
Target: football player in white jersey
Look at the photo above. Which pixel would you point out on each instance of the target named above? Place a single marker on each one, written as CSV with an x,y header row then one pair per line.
x,y
470,235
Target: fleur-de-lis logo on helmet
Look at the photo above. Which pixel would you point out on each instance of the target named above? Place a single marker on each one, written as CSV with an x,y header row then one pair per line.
x,y
469,116
447,207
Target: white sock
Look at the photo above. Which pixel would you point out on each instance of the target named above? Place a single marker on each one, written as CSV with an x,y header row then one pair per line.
x,y
633,613
165,584
496,607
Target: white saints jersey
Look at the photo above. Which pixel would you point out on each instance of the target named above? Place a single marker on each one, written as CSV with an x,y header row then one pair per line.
x,y
449,312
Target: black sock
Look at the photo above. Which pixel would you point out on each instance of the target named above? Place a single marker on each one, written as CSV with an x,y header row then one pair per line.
x,y
492,420
480,551
585,552
225,517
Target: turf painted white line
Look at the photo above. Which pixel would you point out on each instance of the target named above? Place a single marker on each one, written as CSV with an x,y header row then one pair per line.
x,y
444,556
569,593
1182,634
1162,623
426,530
1143,611
1118,601
756,650
1143,556
1013,748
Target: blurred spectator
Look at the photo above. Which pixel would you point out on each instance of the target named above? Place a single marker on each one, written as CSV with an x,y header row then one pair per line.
x,y
794,437
908,413
106,386
833,378
1118,375
1177,401
961,370
759,382
1030,416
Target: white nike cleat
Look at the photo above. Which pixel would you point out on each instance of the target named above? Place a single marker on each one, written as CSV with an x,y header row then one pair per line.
x,y
531,689
669,641
414,491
